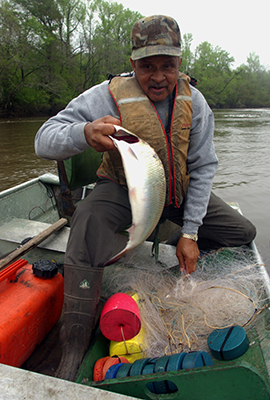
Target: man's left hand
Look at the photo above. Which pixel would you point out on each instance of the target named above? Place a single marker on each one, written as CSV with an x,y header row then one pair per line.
x,y
187,252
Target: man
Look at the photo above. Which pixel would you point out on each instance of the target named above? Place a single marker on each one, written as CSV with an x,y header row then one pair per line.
x,y
158,104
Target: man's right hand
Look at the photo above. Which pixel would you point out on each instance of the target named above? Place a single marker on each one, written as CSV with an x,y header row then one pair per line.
x,y
97,132
187,252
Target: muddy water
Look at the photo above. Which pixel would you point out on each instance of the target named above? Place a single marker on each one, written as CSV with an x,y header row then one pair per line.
x,y
18,162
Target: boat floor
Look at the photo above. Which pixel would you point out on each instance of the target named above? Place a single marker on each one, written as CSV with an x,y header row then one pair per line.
x,y
46,357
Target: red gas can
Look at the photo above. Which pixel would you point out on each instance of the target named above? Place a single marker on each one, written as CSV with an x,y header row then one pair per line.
x,y
29,307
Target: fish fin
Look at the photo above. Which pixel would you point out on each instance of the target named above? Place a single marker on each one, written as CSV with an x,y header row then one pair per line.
x,y
131,151
124,146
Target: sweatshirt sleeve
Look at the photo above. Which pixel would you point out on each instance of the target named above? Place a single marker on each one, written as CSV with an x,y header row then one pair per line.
x,y
62,136
202,164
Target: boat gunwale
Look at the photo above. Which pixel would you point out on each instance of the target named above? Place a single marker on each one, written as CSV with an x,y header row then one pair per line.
x,y
46,178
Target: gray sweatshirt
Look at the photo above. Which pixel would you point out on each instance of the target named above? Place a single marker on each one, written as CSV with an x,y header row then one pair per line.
x,y
62,136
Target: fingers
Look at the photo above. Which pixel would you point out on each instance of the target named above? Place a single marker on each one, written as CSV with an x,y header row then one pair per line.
x,y
97,132
187,253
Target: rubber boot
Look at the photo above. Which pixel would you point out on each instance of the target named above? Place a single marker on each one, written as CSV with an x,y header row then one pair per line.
x,y
81,297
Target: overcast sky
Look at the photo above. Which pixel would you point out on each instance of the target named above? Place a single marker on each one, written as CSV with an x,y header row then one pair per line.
x,y
237,26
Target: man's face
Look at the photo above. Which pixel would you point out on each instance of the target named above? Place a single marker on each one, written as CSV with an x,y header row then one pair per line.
x,y
157,75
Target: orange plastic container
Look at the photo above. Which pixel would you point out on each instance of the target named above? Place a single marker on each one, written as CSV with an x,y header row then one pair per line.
x,y
29,308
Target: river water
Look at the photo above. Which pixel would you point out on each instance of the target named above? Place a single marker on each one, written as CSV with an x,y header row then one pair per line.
x,y
242,141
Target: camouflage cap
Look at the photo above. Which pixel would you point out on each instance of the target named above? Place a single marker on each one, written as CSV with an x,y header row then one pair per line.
x,y
154,35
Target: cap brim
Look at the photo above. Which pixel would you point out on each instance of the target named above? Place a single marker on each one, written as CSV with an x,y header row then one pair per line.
x,y
155,50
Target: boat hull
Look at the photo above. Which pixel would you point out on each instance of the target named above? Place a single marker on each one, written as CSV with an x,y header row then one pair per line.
x,y
28,209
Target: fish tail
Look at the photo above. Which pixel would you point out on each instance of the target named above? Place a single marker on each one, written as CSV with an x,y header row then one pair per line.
x,y
117,257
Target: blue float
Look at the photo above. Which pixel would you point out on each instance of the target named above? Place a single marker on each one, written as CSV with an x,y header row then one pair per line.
x,y
112,371
197,359
228,343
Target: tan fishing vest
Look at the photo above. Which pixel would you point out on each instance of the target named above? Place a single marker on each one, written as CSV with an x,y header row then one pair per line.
x,y
138,115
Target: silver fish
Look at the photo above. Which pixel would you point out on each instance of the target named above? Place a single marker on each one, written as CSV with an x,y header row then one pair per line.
x,y
146,183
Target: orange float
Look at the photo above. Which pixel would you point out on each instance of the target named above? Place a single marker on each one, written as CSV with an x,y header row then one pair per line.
x,y
98,368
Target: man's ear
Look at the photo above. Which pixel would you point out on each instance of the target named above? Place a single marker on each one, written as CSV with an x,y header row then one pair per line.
x,y
180,62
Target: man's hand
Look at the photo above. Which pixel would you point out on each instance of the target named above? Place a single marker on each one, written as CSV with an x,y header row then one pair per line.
x,y
97,132
187,253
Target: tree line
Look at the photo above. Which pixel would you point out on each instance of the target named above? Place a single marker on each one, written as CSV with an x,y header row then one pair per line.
x,y
52,50
247,86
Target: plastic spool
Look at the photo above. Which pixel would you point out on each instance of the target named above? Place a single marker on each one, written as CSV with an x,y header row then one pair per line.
x,y
98,368
175,362
123,371
138,366
149,369
161,387
112,361
197,359
161,363
120,318
228,343
112,371
133,349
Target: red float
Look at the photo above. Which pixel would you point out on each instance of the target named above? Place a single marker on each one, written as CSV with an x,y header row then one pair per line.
x,y
120,318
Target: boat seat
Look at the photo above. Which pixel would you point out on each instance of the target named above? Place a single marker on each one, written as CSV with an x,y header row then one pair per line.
x,y
18,229
81,169
76,173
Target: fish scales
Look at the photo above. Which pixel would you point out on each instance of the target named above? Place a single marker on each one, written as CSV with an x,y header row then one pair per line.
x,y
146,183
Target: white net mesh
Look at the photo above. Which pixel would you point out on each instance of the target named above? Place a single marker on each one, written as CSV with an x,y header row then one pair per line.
x,y
179,311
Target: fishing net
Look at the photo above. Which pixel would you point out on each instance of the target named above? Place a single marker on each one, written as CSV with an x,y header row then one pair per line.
x,y
179,311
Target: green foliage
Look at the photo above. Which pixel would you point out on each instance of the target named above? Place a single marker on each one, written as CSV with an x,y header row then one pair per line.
x,y
52,50
107,42
187,55
223,87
